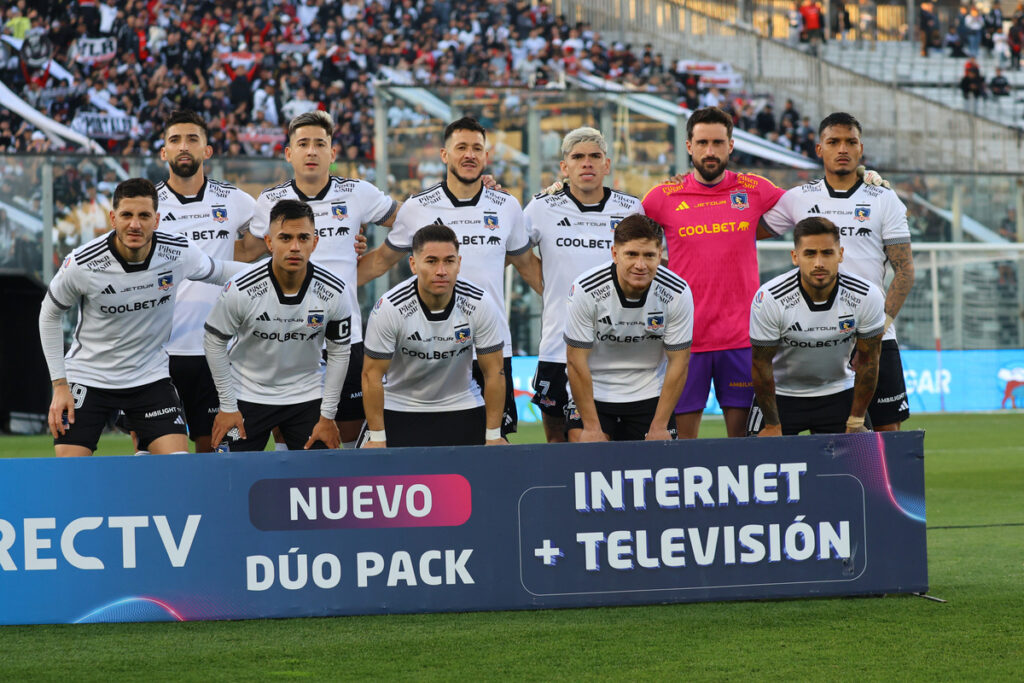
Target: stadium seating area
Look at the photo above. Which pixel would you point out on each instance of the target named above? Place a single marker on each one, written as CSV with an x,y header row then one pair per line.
x,y
251,65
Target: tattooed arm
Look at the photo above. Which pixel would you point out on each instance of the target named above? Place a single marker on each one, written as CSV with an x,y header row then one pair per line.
x,y
764,389
902,260
865,381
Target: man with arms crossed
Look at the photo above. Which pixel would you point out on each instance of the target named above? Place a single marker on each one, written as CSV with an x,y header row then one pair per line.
x,y
421,334
803,326
280,312
573,231
873,231
210,214
488,222
341,206
125,284
628,335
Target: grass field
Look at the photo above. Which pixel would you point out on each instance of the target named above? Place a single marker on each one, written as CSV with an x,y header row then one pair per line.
x,y
974,468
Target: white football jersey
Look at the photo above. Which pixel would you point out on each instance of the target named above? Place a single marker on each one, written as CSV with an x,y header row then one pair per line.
x,y
489,227
211,220
628,338
431,353
339,210
572,238
276,356
869,219
125,310
815,340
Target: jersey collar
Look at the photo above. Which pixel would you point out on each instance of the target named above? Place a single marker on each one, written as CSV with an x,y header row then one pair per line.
x,y
182,199
428,314
583,207
132,267
472,201
842,194
622,297
823,306
319,195
298,296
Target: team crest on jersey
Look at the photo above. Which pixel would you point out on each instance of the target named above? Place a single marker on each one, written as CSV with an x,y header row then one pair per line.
x,y
655,321
462,334
67,261
738,201
491,220
220,213
862,213
615,220
377,305
165,281
846,323
315,320
339,211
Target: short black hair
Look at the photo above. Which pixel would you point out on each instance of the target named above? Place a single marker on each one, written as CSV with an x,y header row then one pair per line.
x,y
135,187
435,232
638,227
465,123
291,209
708,115
186,116
815,225
839,118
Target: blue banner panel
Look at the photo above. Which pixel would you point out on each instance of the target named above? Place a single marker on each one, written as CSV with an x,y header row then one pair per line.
x,y
281,534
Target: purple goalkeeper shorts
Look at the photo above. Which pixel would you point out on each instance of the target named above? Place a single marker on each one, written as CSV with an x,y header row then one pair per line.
x,y
731,371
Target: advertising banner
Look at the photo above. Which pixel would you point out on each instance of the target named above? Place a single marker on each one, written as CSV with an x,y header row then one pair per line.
x,y
286,534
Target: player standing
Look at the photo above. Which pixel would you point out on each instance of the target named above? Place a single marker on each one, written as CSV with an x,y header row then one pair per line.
x,y
125,284
488,222
628,336
712,219
280,313
873,231
573,230
211,214
421,334
341,206
803,328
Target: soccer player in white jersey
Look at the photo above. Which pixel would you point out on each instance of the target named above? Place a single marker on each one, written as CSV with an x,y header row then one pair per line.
x,y
280,313
572,229
211,214
804,326
488,222
341,206
628,336
873,230
420,335
125,284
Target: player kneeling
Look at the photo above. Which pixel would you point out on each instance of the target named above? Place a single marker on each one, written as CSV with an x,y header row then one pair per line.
x,y
802,326
628,341
421,334
280,312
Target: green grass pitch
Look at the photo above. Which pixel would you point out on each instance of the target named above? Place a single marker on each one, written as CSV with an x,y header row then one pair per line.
x,y
974,467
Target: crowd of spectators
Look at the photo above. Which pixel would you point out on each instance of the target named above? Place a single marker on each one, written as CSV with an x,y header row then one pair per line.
x,y
250,65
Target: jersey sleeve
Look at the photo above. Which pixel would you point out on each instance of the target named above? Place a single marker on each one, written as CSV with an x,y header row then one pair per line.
x,y
679,326
579,328
226,316
871,317
400,237
779,219
380,206
530,220
260,222
247,207
650,203
68,284
382,331
895,229
488,336
201,266
518,241
765,320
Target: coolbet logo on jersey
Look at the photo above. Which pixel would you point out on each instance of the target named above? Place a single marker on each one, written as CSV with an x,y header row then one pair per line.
x,y
339,210
315,320
462,334
739,201
165,281
491,221
220,213
862,213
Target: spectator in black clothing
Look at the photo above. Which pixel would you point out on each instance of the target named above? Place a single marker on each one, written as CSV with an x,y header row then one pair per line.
x,y
790,117
928,24
766,121
972,84
955,43
999,86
